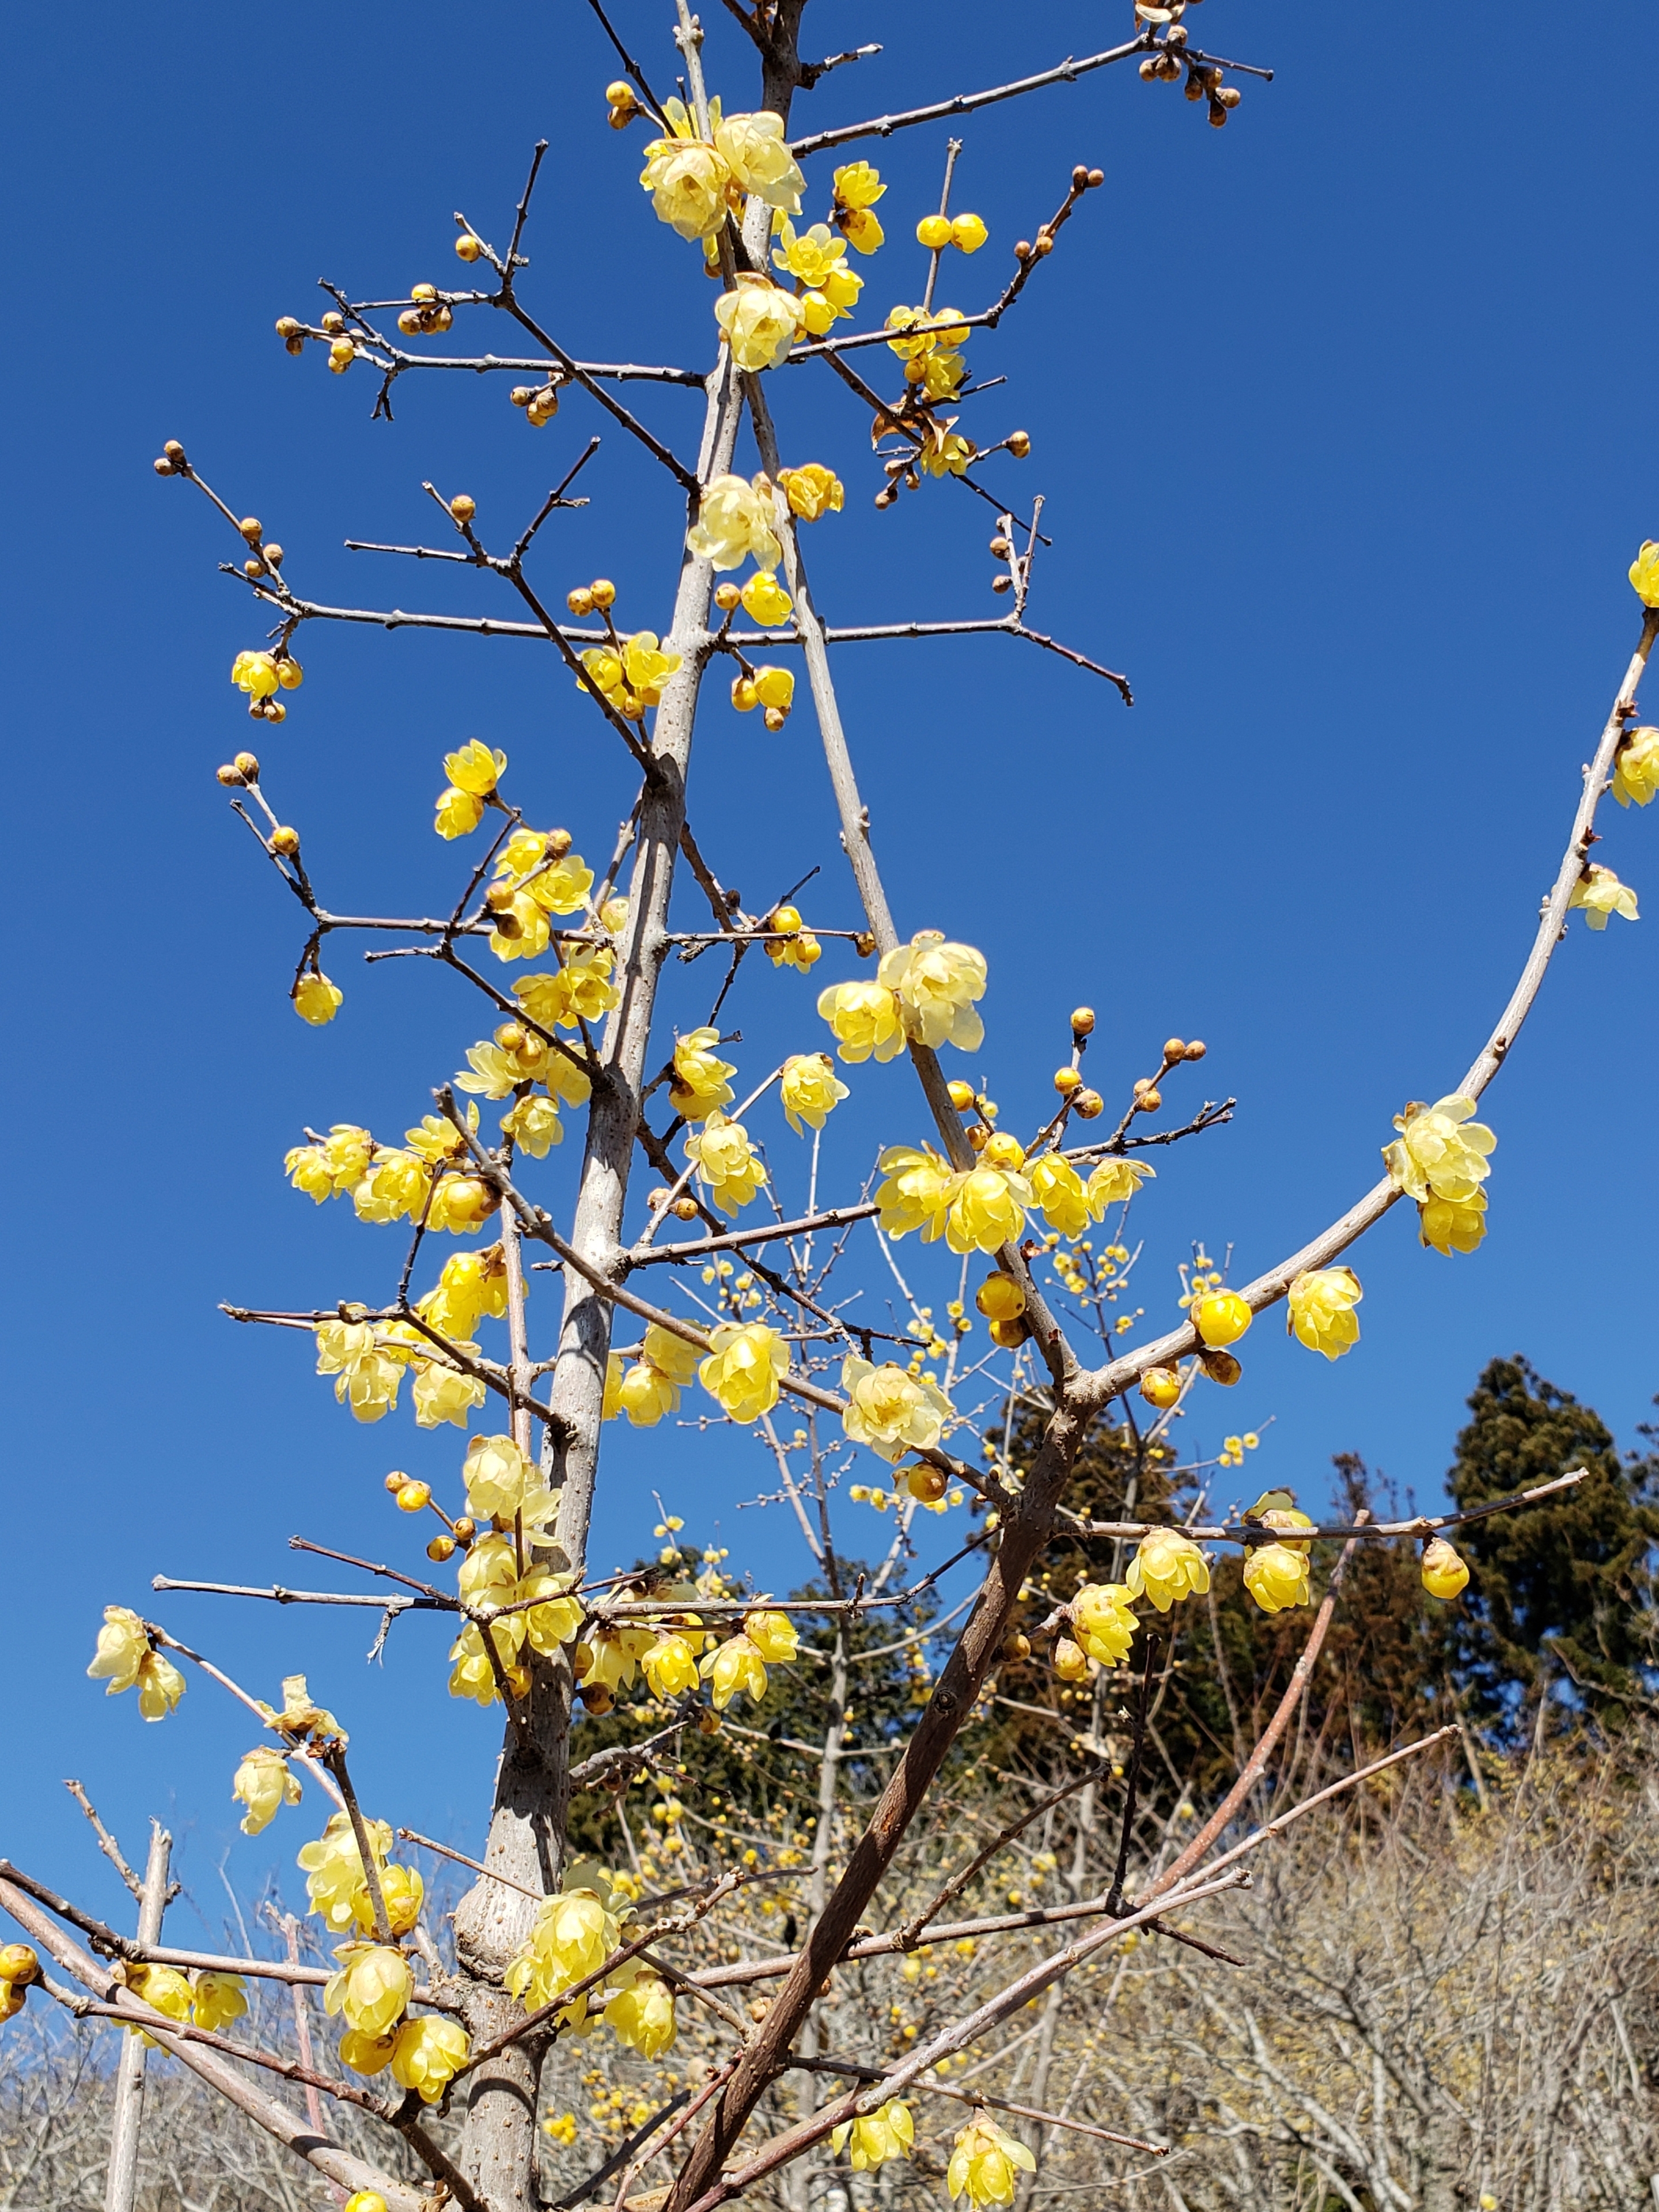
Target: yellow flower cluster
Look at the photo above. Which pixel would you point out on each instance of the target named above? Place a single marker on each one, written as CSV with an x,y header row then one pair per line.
x,y
728,1167
388,1183
892,1411
985,2163
212,2000
630,677
930,346
1166,1565
817,259
261,676
473,771
1320,1310
1440,1159
1103,1621
124,1658
857,188
1600,893
699,1083
572,1935
1067,1204
581,991
743,1368
650,1386
887,2133
734,519
1276,1575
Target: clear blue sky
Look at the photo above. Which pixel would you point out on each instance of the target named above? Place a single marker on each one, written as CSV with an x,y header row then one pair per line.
x,y
1341,414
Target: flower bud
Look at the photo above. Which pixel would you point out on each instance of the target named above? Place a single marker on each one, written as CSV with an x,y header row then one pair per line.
x,y
341,355
927,1483
1229,96
1175,1049
933,232
1000,548
441,1549
1002,583
1083,1021
596,1697
247,767
1221,1317
174,451
285,841
414,1498
1003,1150
863,945
163,466
499,897
774,718
468,248
727,595
463,507
1019,441
603,591
581,601
294,345
251,567
465,1530
395,1480
251,528
287,327
1015,1645
968,233
1079,178
1150,71
1195,1050
1010,1334
1088,1104
18,1964
978,1135
1071,1662
522,394
785,918
999,1298
333,323
1068,1080
1097,178
1149,1100
1161,1387
511,1036
1023,249
684,1209
619,93
559,842
1220,1367
708,1722
962,1094
229,775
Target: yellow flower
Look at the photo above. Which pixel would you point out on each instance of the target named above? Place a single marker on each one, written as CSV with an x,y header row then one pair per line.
x,y
892,1411
1220,1317
744,1368
1600,892
534,1126
315,999
1635,768
1166,1565
572,1935
613,1656
337,1164
403,1892
394,1189
427,2055
558,881
634,682
367,2054
876,2136
475,768
774,1635
811,1090
581,992
497,1476
265,1785
727,1166
1444,1574
1644,575
759,321
216,2000
865,1019
765,600
945,453
734,519
670,1666
1058,1190
471,1285
459,813
470,1675
445,1394
757,154
917,1191
333,1868
733,1665
550,1625
968,233
124,1656
367,1374
987,1210
256,674
372,1989
857,188
1440,1152
165,1988
642,2014
687,181
1276,1576
984,2163
818,258
1319,1313
460,1204
1115,1180
698,1084
936,984
652,1386
1105,1625
812,491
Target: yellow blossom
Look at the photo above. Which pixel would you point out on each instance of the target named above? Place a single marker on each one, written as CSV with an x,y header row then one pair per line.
x,y
1058,1191
560,882
917,1189
890,1410
1115,1180
367,1374
614,1655
534,1126
728,1165
759,321
1105,1625
946,453
336,1885
1600,893
774,1635
1166,1565
765,600
651,1387
698,1084
936,984
1440,1152
865,1020
459,813
1319,1311
470,1675
1220,1317
686,180
124,1658
634,681
315,999
1449,1225
572,1935
582,991
857,188
394,1189
987,1210
811,490
1644,575
497,1476
876,2136
670,1666
1444,1573
818,258
642,2014
460,1204
756,152
367,2054
471,1285
552,1624
165,1988
372,1989
263,1784
427,2054
1276,1576
969,233
743,1368
475,768
337,1164
1635,768
215,2000
984,2163
733,1665
443,1392
734,519
811,1090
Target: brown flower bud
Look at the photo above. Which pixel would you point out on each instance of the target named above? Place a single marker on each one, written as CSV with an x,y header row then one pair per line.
x,y
863,945
287,327
1220,1366
441,1549
581,601
230,775
285,840
1175,1049
1083,1020
728,597
174,451
1149,1100
249,765
251,528
1196,1050
1008,1333
1023,250
273,555
1079,177
163,466
333,323
684,1209
463,507
559,842
498,897
1000,548
1020,443
1088,1105
774,718
596,1698
1097,178
253,568
603,591
395,1480
1002,583
465,1530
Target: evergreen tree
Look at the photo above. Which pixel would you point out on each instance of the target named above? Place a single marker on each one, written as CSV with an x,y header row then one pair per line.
x,y
1561,1589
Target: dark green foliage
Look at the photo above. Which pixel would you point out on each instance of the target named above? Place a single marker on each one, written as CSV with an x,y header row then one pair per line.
x,y
1559,1588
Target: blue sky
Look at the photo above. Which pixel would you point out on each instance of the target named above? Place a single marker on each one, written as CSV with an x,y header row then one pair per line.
x,y
1339,415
